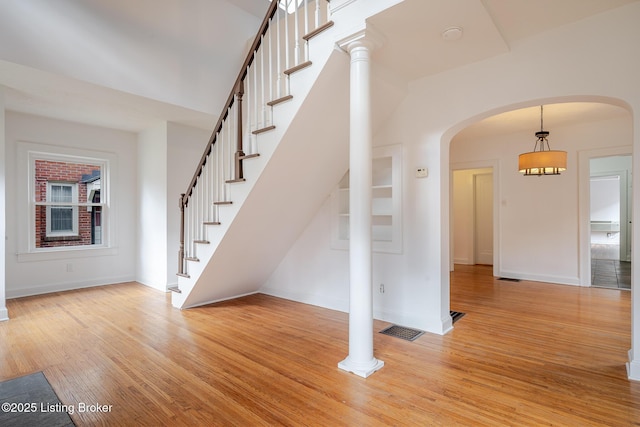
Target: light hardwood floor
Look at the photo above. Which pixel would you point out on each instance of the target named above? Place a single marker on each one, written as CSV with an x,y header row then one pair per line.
x,y
524,354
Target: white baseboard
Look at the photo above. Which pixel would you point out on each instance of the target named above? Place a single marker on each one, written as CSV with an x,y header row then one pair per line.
x,y
4,314
306,298
159,287
434,326
66,286
560,280
200,304
633,368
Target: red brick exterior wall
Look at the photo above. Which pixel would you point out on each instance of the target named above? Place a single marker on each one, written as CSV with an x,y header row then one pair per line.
x,y
71,173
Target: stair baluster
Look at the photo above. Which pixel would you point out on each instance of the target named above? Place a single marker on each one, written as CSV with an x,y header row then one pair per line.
x,y
262,83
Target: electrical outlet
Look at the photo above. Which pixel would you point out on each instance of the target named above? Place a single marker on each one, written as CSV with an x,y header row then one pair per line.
x,y
382,288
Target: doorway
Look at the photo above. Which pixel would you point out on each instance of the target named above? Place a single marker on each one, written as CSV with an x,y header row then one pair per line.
x,y
610,225
472,236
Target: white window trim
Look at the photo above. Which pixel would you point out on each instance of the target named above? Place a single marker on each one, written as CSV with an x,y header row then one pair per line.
x,y
27,153
74,207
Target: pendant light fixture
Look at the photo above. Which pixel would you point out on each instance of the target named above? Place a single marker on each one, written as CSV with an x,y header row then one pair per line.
x,y
542,160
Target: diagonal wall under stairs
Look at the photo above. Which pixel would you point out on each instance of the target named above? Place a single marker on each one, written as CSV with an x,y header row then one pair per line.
x,y
299,165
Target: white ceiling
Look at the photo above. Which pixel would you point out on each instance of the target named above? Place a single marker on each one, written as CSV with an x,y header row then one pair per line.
x,y
123,63
554,115
412,30
413,48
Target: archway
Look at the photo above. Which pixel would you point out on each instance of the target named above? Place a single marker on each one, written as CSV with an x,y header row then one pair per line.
x,y
606,129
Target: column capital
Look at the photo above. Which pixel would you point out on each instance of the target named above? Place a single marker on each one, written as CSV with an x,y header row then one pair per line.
x,y
369,38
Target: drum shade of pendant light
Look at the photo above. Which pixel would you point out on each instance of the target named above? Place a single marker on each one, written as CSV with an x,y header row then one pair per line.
x,y
542,160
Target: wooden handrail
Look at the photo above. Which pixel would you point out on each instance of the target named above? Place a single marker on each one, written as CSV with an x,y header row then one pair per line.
x,y
199,204
239,83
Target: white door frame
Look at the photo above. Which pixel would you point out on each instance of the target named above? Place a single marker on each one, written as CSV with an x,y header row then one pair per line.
x,y
584,207
624,214
480,164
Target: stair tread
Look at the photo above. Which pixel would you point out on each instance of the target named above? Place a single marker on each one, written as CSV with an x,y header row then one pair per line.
x,y
279,100
212,223
223,203
318,30
250,156
204,242
231,181
265,129
175,288
297,68
192,258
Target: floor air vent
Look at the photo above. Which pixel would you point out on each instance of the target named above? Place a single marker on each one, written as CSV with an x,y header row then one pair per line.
x,y
456,315
509,279
402,332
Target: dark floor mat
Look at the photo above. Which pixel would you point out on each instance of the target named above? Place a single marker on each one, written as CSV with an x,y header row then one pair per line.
x,y
30,401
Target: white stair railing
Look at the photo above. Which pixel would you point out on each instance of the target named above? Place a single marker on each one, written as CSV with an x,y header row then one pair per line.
x,y
279,49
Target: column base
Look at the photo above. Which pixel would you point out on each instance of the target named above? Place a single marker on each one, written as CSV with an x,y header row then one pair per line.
x,y
633,368
361,369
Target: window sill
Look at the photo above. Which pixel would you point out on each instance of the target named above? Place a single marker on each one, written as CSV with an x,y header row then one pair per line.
x,y
71,238
48,254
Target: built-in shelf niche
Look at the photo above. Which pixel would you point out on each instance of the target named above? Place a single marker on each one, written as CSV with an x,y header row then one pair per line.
x,y
386,203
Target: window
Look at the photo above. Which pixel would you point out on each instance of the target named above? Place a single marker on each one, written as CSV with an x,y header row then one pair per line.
x,y
63,203
68,201
68,210
62,218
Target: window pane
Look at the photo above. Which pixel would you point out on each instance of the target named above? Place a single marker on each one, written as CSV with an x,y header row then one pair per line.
x,y
65,186
61,193
61,219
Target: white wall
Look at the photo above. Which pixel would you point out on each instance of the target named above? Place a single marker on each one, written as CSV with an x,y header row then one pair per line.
x,y
605,165
33,275
605,199
167,158
185,146
436,108
4,315
151,265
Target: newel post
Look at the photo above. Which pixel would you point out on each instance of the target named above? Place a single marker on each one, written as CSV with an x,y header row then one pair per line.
x,y
181,250
239,174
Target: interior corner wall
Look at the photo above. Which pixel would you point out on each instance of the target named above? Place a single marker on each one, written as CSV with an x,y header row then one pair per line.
x,y
185,146
152,206
4,315
73,269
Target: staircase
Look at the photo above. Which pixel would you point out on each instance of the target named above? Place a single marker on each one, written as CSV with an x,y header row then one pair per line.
x,y
276,153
